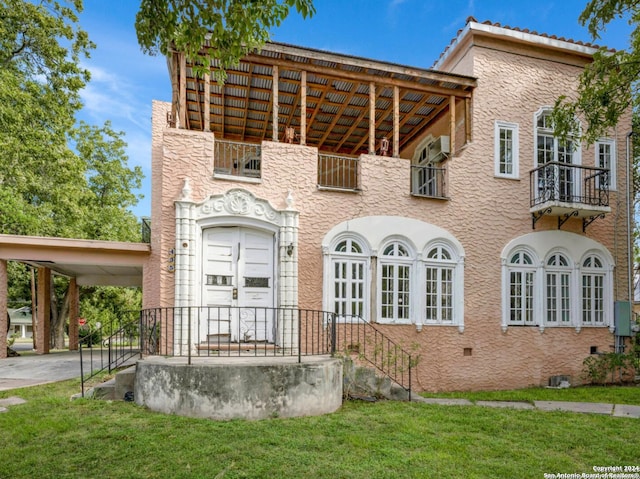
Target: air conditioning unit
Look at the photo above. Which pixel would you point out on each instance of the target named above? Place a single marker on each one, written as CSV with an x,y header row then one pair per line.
x,y
439,149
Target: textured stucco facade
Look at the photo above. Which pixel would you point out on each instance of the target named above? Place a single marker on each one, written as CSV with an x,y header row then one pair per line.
x,y
482,215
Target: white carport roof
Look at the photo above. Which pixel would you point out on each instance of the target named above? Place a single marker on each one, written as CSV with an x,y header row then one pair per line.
x,y
91,262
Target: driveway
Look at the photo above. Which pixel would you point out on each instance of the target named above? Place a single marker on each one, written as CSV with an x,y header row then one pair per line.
x,y
31,369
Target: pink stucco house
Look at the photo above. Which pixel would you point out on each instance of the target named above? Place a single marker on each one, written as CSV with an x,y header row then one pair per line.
x,y
436,204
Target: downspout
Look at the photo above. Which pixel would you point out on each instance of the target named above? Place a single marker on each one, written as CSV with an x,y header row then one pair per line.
x,y
629,203
619,340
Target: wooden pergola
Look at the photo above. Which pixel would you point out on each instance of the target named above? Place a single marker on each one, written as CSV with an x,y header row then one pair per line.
x,y
340,104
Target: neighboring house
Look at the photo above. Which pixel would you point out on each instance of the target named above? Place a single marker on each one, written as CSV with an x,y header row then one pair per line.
x,y
21,322
435,203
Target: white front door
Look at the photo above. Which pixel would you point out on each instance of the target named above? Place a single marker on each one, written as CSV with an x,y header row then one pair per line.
x,y
238,283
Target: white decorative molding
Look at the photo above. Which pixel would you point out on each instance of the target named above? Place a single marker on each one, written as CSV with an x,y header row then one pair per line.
x,y
186,191
238,202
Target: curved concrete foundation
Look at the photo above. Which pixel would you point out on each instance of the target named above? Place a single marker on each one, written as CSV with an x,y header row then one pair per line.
x,y
248,388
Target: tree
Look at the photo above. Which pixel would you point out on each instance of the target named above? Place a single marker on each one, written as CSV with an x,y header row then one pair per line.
x,y
57,178
609,85
229,28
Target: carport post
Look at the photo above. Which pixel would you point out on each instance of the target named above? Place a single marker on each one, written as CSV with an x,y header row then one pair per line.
x,y
73,314
3,308
43,332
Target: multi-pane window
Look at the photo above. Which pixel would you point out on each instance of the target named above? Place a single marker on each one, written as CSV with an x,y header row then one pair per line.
x,y
395,289
506,149
521,287
592,279
555,181
605,150
558,290
439,270
349,279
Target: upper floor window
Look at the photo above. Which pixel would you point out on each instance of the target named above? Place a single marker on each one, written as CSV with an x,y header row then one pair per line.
x,y
395,288
548,147
506,150
605,158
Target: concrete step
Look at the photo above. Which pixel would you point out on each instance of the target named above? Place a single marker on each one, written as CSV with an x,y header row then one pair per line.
x,y
125,381
104,391
230,347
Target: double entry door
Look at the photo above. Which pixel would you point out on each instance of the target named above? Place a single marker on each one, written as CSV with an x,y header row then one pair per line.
x,y
238,284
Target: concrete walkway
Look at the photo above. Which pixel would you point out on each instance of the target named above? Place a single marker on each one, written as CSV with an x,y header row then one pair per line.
x,y
618,410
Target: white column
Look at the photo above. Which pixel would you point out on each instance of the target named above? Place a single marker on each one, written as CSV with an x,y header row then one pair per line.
x,y
184,270
288,281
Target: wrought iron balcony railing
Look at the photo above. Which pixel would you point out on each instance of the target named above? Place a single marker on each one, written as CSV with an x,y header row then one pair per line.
x,y
237,159
429,181
556,182
338,172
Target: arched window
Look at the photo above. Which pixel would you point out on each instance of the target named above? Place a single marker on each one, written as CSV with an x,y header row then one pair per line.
x,y
395,288
521,274
558,290
349,266
593,291
439,269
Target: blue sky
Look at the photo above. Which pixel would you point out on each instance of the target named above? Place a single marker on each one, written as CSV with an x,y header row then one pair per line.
x,y
410,32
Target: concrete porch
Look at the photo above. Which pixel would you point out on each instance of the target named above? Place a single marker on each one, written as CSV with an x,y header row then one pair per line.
x,y
224,388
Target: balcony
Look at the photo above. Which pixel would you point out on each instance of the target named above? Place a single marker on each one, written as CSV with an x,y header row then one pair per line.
x,y
429,181
566,191
338,172
237,159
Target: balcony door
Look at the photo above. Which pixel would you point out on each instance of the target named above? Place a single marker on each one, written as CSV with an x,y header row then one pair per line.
x,y
238,284
559,180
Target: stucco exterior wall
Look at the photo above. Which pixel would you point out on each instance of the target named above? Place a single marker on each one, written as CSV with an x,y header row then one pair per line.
x,y
484,213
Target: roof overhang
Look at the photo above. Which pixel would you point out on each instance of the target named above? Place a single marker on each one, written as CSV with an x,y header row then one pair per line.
x,y
515,35
91,262
339,92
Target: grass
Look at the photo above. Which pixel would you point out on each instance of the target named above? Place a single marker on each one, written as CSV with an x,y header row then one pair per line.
x,y
603,394
53,437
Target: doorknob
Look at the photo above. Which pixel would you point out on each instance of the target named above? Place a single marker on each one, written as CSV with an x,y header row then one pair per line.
x,y
234,294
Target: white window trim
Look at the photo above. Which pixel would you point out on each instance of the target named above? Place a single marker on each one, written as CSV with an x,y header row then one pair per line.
x,y
402,260
533,244
329,255
514,127
574,278
607,285
457,263
614,160
577,153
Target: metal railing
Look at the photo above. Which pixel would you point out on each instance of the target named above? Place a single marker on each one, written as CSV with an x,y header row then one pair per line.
x,y
429,181
340,172
567,183
207,331
108,347
237,159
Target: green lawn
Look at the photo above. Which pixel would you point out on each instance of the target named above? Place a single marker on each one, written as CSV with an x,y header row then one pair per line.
x,y
53,437
604,394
